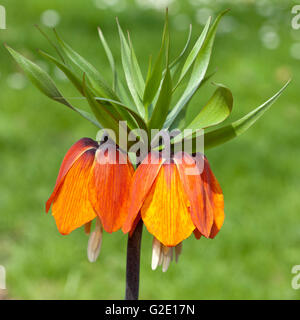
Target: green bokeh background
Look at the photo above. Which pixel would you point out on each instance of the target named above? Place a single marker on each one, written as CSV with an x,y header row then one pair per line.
x,y
252,257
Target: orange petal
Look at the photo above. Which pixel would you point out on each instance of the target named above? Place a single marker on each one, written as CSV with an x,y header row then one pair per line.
x,y
71,207
109,189
72,155
165,211
215,196
142,182
194,186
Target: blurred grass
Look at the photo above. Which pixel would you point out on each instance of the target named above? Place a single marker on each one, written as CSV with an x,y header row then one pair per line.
x,y
253,255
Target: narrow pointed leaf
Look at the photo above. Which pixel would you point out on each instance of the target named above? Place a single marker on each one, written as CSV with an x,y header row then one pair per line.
x,y
110,58
117,85
149,68
127,66
125,97
66,70
217,109
94,75
104,116
127,113
233,130
161,108
175,62
88,116
37,76
140,121
136,71
183,117
45,84
198,74
194,53
154,81
50,42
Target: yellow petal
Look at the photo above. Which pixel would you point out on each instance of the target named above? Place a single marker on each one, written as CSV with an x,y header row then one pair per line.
x,y
165,211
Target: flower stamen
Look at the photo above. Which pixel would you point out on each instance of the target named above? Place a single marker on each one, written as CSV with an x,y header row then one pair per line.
x,y
168,256
156,253
95,241
178,250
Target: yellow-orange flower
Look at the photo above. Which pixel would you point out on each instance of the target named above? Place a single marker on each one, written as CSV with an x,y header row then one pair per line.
x,y
92,181
175,198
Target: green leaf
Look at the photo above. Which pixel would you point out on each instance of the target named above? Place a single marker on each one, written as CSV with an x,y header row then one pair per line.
x,y
198,73
217,109
94,76
126,113
149,68
88,116
51,42
45,84
183,117
125,97
154,81
140,121
136,71
127,66
103,115
161,108
176,62
117,85
66,70
233,130
37,76
110,58
194,53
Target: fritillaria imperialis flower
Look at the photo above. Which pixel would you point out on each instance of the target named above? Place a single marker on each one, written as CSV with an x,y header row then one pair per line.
x,y
175,198
91,183
172,202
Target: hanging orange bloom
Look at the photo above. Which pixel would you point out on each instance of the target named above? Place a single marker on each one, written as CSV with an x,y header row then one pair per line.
x,y
175,198
92,182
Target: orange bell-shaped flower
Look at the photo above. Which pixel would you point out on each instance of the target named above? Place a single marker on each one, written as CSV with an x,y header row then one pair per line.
x,y
175,198
93,181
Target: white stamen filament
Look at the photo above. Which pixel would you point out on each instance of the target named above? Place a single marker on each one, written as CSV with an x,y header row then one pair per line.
x,y
168,255
161,258
163,255
156,253
95,241
178,250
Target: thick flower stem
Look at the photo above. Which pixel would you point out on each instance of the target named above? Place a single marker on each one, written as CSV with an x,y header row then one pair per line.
x,y
133,263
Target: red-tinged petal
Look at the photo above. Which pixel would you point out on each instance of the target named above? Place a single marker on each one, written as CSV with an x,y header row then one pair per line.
x,y
217,226
71,156
142,182
165,211
197,234
110,185
71,207
216,198
87,227
190,174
